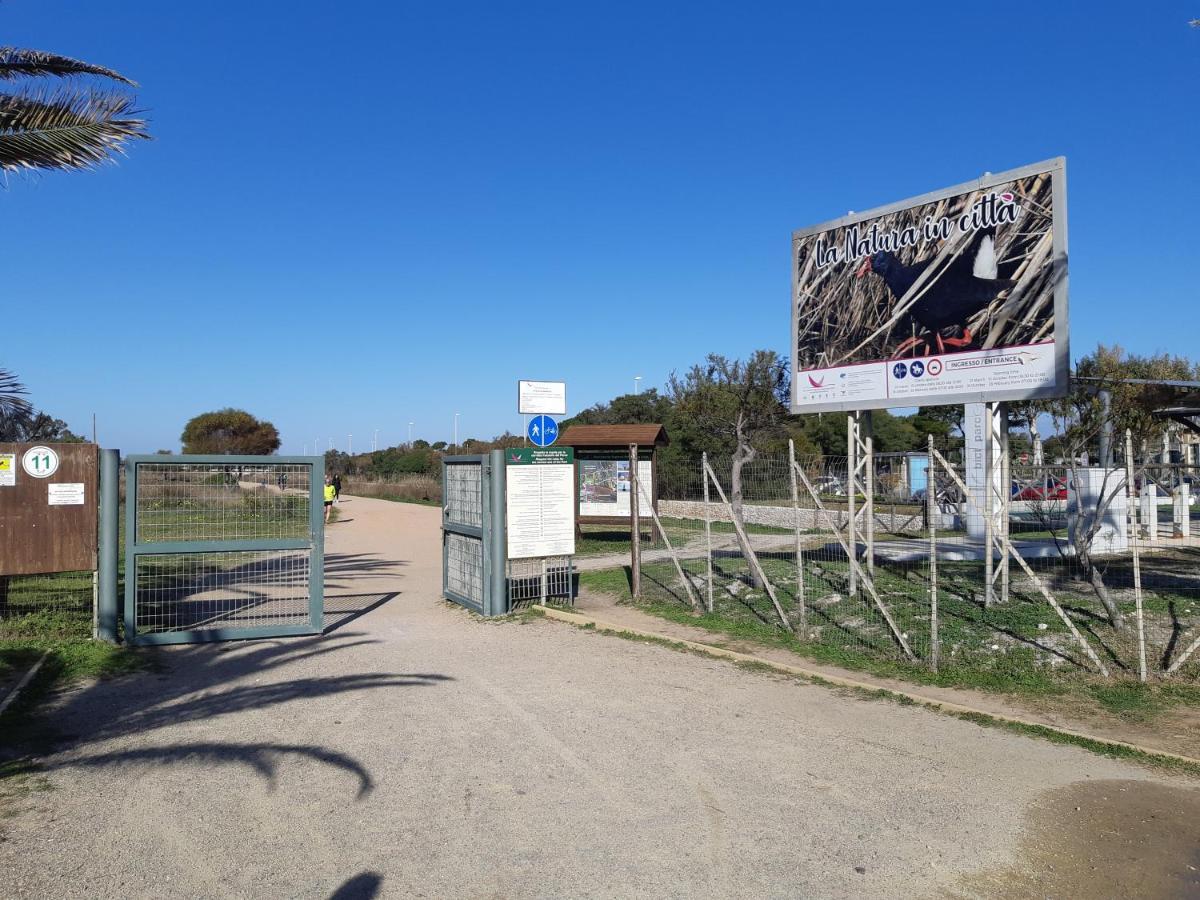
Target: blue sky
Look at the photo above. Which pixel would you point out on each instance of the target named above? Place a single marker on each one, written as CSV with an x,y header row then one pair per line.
x,y
356,215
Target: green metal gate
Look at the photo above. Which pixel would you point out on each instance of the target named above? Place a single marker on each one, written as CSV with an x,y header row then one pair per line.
x,y
223,547
473,549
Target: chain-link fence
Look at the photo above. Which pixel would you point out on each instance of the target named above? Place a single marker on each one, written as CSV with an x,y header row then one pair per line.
x,y
1082,570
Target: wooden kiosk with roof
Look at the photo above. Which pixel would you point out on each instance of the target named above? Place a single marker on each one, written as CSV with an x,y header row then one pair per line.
x,y
602,483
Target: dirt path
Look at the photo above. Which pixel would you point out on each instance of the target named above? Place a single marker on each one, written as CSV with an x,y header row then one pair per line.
x,y
418,751
1174,731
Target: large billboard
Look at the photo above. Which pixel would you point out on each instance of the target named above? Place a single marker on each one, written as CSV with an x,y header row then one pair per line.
x,y
958,296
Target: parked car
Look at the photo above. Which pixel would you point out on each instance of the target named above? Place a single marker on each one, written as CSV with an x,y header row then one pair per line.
x,y
1049,488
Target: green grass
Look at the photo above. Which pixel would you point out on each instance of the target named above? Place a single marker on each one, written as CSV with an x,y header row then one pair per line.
x,y
1019,648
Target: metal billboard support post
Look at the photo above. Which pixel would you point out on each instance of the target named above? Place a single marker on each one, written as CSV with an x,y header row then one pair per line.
x,y
107,600
997,492
707,531
635,527
860,472
931,514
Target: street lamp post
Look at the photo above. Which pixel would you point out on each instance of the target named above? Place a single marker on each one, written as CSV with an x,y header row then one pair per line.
x,y
637,388
350,445
410,425
456,431
375,441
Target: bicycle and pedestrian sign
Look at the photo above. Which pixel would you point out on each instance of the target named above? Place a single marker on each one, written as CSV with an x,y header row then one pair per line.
x,y
543,431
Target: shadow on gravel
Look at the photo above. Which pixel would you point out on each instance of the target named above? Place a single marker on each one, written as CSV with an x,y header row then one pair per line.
x,y
362,886
262,758
341,610
204,683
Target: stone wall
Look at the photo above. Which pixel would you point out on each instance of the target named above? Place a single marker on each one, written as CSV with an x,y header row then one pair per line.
x,y
781,516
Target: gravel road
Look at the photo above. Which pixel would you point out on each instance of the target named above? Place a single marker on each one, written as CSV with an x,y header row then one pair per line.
x,y
417,751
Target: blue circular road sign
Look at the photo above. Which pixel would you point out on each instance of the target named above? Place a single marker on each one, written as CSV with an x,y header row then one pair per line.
x,y
543,431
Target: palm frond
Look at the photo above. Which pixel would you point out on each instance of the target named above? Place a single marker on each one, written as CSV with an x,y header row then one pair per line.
x,y
65,129
16,62
15,410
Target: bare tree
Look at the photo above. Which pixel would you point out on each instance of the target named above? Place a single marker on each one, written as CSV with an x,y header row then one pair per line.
x,y
739,403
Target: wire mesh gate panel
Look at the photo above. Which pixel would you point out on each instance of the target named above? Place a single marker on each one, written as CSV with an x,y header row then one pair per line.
x,y
223,547
473,532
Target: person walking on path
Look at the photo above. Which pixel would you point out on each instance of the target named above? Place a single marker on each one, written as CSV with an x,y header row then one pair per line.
x,y
330,496
337,488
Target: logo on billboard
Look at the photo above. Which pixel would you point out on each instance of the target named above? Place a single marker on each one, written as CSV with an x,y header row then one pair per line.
x,y
815,383
899,370
917,368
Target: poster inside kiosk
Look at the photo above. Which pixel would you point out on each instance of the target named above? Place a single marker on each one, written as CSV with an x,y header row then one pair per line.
x,y
540,501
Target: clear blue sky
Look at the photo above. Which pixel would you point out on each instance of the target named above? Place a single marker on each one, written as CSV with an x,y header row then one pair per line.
x,y
360,214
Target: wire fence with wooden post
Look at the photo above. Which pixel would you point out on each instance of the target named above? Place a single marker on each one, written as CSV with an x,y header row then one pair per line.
x,y
783,562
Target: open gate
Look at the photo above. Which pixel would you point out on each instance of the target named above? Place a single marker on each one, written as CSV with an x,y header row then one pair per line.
x,y
473,550
223,547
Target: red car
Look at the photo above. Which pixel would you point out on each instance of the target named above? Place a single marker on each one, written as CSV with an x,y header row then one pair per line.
x,y
1052,488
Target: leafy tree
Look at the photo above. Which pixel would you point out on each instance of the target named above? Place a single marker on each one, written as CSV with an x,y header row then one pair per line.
x,y
229,431
436,445
76,126
40,426
646,407
894,434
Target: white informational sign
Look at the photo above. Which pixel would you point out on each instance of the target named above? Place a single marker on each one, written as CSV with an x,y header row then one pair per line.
x,y
542,398
68,494
40,462
604,486
8,469
1013,369
540,500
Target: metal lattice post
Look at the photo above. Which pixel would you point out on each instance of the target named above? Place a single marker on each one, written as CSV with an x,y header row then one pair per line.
x,y
860,465
851,470
707,530
931,507
800,599
866,434
1131,516
996,491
